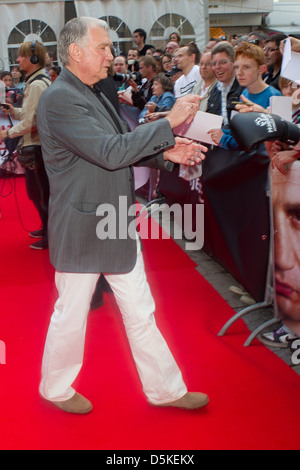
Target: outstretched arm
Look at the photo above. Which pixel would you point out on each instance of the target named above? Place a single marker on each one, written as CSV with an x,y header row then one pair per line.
x,y
185,152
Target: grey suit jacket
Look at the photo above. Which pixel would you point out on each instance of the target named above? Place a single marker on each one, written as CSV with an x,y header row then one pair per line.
x,y
88,162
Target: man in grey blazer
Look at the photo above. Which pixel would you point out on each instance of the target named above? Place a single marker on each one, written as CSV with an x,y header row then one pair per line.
x,y
88,155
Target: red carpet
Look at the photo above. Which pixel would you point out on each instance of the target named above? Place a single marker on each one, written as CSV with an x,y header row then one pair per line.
x,y
254,396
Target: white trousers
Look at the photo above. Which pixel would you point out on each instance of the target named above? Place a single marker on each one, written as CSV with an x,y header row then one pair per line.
x,y
63,354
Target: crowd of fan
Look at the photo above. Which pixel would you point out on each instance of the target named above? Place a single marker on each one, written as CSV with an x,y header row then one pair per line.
x,y
242,69
206,72
240,74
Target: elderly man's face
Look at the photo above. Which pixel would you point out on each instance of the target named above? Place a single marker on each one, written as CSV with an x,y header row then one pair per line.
x,y
171,47
286,210
96,57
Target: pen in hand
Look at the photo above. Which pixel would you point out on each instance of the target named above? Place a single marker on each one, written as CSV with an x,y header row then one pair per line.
x,y
242,102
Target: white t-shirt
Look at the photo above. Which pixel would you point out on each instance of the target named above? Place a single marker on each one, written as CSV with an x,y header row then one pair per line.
x,y
185,84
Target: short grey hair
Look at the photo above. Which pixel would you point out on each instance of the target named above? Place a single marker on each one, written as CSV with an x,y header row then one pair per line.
x,y
76,31
223,46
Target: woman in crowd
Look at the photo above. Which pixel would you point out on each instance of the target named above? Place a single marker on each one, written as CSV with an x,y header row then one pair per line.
x,y
163,97
18,77
160,102
174,37
14,86
166,62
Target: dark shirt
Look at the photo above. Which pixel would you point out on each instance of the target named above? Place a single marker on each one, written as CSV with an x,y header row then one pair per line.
x,y
108,87
144,50
272,80
141,97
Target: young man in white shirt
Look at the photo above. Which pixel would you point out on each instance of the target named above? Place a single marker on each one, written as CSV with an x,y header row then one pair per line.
x,y
187,59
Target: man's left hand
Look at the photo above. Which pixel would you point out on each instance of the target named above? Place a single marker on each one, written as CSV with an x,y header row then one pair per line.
x,y
216,135
3,135
186,152
247,106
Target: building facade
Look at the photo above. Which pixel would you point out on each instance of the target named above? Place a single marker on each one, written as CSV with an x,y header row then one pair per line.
x,y
42,20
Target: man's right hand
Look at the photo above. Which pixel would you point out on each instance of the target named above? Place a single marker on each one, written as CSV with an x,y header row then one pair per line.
x,y
133,85
7,109
184,110
185,152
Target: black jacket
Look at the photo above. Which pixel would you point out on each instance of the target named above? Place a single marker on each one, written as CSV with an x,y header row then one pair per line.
x,y
140,98
214,101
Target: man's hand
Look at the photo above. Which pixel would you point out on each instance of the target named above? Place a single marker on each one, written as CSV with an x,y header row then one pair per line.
x,y
216,135
184,110
284,158
185,152
248,106
133,85
7,108
3,135
151,107
154,116
125,97
296,99
274,147
295,45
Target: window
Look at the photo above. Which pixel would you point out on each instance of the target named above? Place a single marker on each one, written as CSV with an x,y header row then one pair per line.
x,y
30,30
119,32
169,23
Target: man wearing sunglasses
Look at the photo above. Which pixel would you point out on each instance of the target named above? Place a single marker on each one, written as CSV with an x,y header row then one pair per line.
x,y
273,58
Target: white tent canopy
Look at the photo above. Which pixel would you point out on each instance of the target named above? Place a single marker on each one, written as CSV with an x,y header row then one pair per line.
x,y
285,17
14,18
158,18
43,20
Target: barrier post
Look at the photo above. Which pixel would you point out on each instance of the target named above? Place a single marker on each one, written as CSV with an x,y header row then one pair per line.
x,y
2,352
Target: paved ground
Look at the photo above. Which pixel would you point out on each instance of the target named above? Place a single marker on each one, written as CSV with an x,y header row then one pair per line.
x,y
221,280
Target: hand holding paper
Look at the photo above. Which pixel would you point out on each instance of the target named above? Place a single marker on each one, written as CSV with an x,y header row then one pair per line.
x,y
216,135
290,67
198,129
125,96
184,110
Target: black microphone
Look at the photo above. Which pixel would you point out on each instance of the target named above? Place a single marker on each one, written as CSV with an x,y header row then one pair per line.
x,y
251,129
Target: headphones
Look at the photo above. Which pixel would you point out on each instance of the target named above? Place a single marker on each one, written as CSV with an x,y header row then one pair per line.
x,y
34,58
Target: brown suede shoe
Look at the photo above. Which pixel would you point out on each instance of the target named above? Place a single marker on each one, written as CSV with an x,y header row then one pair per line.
x,y
77,404
189,401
